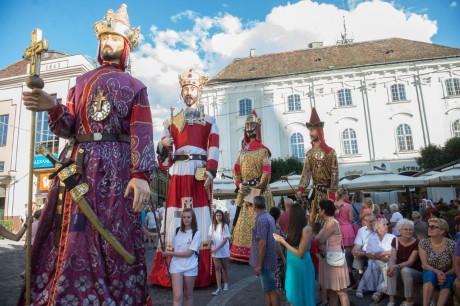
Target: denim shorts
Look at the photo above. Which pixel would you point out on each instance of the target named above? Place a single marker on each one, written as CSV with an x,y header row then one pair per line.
x,y
267,279
430,276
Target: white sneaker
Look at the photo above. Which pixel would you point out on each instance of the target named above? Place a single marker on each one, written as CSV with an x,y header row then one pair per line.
x,y
225,286
217,292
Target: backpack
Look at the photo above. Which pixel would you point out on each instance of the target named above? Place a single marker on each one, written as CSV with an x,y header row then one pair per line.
x,y
193,235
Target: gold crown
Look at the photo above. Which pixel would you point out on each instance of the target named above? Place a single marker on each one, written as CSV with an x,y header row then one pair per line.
x,y
118,23
191,77
253,118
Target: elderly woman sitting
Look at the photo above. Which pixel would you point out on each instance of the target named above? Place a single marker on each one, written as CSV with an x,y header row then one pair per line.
x,y
436,254
378,251
405,260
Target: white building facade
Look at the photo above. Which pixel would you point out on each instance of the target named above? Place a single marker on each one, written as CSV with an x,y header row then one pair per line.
x,y
381,101
59,72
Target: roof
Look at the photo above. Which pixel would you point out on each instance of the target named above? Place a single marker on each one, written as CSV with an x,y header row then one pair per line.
x,y
20,67
375,52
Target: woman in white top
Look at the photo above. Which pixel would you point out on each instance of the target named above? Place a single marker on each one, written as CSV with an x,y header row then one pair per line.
x,y
184,249
378,251
220,234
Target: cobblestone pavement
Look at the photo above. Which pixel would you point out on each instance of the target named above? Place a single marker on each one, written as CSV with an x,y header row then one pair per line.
x,y
244,288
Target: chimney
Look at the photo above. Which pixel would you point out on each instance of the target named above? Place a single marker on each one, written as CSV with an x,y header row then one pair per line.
x,y
252,52
315,44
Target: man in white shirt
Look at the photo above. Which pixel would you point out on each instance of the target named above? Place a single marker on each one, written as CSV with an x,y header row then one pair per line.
x,y
361,241
395,217
231,213
151,225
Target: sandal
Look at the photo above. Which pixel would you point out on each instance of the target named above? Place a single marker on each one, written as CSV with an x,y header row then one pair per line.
x,y
359,294
377,296
406,303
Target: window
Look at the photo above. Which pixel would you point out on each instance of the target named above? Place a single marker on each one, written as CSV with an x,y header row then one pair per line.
x,y
201,108
344,97
245,107
294,103
405,142
3,129
456,128
297,146
43,135
2,166
350,144
453,87
398,92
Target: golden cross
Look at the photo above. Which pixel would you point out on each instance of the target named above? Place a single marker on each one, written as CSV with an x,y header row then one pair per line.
x,y
99,99
34,51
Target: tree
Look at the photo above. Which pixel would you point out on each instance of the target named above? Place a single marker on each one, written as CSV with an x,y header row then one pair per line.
x,y
433,156
282,167
430,157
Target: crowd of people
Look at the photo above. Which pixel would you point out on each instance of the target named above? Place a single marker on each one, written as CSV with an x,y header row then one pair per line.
x,y
382,251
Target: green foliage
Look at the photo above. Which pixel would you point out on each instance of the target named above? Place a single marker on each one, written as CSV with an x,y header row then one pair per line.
x,y
282,167
433,156
8,224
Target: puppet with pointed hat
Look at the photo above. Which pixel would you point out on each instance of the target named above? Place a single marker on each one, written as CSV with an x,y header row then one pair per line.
x,y
251,175
108,122
321,165
190,147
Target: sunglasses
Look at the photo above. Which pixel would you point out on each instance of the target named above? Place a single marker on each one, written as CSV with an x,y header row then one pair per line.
x,y
433,227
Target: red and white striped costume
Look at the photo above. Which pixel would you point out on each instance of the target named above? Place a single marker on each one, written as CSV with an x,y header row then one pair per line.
x,y
197,137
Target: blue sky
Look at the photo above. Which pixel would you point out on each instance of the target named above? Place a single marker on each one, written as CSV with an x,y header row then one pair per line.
x,y
208,35
68,27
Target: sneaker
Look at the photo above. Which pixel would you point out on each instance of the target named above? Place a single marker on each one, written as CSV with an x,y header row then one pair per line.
x,y
217,292
225,286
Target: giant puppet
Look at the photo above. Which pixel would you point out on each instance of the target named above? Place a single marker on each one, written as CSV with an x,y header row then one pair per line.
x,y
321,165
251,173
190,145
110,153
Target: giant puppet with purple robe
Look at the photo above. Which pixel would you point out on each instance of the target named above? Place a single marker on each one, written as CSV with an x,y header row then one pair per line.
x,y
110,153
190,146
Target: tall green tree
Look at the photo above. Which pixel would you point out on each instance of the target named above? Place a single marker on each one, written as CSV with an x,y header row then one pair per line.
x,y
433,156
282,167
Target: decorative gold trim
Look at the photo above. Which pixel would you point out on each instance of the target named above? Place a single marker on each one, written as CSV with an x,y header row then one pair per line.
x,y
67,172
179,121
78,192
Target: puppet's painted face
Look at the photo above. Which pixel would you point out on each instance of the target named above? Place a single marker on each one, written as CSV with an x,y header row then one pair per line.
x,y
313,134
251,129
190,93
112,46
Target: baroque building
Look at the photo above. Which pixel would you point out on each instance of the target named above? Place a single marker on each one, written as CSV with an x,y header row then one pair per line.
x,y
381,101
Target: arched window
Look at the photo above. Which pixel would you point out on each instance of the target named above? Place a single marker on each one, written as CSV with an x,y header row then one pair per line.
x,y
456,128
453,87
398,92
344,97
350,144
294,103
297,145
245,107
405,142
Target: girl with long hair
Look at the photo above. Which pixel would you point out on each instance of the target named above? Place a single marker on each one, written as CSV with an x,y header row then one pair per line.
x,y
300,273
220,252
184,249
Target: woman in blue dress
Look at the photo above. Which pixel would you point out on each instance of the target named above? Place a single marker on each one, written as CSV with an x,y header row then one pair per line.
x,y
300,273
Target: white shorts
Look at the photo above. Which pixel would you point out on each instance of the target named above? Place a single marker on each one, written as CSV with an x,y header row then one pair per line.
x,y
192,272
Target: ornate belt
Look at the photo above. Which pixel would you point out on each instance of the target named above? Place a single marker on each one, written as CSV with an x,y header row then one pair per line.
x,y
252,182
187,157
103,137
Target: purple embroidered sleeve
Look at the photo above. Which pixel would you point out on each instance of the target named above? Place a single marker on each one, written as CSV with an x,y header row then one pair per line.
x,y
62,119
141,131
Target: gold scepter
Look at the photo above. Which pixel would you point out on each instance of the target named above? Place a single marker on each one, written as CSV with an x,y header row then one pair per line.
x,y
32,53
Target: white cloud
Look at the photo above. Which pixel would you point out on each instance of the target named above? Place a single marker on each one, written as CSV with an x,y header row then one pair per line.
x,y
212,42
188,14
453,4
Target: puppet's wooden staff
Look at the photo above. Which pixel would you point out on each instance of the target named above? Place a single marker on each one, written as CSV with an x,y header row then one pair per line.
x,y
32,53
